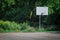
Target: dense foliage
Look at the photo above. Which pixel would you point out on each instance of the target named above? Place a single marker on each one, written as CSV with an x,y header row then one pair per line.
x,y
6,26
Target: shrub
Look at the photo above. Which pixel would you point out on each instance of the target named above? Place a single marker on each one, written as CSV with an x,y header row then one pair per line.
x,y
25,27
7,26
1,30
30,29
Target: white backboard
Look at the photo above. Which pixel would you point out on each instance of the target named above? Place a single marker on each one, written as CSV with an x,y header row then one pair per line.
x,y
40,10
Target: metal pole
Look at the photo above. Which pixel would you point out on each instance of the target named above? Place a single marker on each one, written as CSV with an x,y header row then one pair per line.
x,y
39,21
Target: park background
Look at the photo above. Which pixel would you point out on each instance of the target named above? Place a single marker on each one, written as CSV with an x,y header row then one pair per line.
x,y
20,15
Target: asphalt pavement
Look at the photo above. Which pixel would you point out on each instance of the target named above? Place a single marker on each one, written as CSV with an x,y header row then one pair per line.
x,y
30,36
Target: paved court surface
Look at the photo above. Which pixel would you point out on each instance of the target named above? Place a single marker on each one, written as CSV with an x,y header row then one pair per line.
x,y
30,36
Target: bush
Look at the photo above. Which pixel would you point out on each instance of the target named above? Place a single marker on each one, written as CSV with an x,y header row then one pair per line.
x,y
25,27
1,30
7,26
30,29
